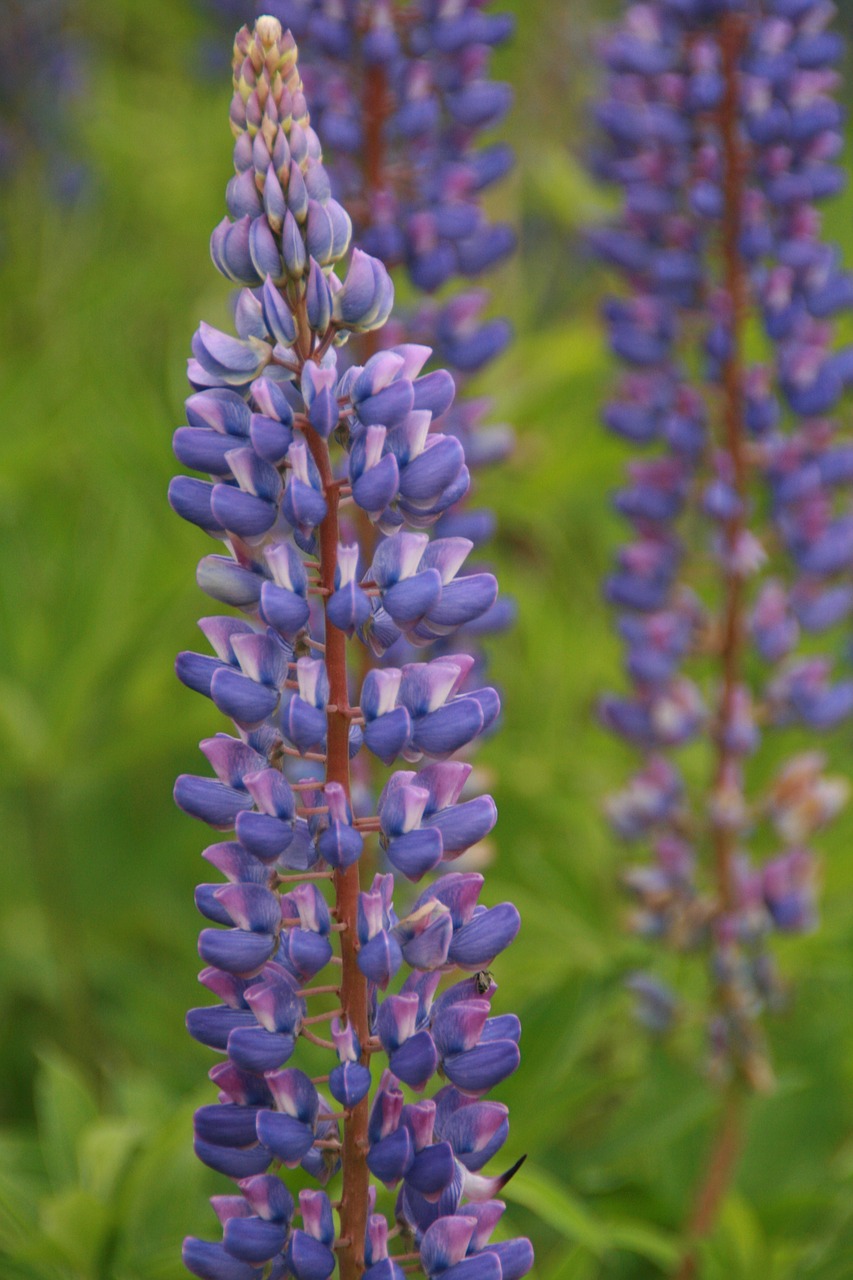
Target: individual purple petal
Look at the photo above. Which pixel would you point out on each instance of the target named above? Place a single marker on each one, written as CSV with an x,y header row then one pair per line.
x,y
287,1138
235,862
462,601
375,488
250,906
263,250
480,1069
227,1207
192,500
380,958
416,852
213,1025
305,952
201,450
515,1257
235,1162
309,1259
476,1132
257,1050
210,800
429,949
240,1086
245,701
448,728
264,836
408,601
480,1266
384,1269
236,950
348,608
228,581
275,1005
284,610
252,1239
462,825
227,1126
389,405
458,1027
211,1262
349,1082
477,943
277,314
268,1197
386,735
340,845
446,1242
432,1170
304,724
391,1157
426,476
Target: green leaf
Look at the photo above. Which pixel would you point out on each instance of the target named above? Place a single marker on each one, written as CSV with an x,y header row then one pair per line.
x,y
644,1240
104,1152
554,1204
64,1108
563,188
161,1200
75,1224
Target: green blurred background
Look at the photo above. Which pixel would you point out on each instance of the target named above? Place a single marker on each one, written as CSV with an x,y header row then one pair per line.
x,y
97,924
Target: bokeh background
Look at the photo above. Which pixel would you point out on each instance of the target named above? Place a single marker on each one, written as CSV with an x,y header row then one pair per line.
x,y
104,274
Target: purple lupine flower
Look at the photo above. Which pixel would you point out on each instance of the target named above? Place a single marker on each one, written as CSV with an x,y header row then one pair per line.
x,y
401,95
720,125
293,446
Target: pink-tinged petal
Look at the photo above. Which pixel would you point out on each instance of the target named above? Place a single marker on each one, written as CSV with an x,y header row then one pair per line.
x,y
446,1242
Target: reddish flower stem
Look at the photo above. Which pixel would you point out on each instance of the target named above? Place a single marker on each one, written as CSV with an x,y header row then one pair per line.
x,y
722,1160
375,108
374,114
732,32
353,1212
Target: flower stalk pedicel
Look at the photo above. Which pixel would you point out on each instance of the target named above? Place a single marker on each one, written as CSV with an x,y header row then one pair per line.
x,y
300,955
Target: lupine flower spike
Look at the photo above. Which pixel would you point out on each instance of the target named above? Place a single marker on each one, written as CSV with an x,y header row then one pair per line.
x,y
401,95
720,125
292,447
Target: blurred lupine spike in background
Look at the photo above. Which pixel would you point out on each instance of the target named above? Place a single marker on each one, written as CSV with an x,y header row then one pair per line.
x,y
721,127
267,405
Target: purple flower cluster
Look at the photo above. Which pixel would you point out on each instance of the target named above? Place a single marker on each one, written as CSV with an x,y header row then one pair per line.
x,y
291,929
720,126
404,89
41,73
401,96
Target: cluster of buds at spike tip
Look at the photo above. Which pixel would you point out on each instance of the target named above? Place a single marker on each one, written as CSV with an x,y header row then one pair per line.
x,y
404,91
296,945
401,95
720,125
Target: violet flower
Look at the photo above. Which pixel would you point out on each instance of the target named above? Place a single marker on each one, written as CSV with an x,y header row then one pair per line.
x,y
294,449
720,125
401,95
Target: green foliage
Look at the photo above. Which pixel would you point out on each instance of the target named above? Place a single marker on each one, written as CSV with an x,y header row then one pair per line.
x,y
97,1193
97,925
